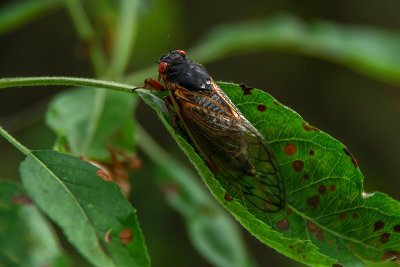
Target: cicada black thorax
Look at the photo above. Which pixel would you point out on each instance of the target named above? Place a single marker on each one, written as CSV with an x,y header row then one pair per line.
x,y
190,82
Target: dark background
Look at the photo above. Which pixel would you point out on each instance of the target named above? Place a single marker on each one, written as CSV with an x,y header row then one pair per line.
x,y
361,112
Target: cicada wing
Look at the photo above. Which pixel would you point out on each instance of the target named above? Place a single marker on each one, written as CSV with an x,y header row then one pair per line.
x,y
239,153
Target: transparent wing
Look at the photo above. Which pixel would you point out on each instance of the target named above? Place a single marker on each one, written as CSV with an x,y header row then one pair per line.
x,y
236,150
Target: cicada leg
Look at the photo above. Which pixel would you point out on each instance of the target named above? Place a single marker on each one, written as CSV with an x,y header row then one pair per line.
x,y
174,118
154,84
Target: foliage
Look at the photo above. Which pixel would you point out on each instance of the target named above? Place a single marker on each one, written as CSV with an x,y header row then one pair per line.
x,y
323,184
27,237
328,219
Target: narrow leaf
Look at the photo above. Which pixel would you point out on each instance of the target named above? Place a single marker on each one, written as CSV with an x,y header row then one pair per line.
x,y
26,238
18,13
90,119
327,219
212,232
93,214
372,51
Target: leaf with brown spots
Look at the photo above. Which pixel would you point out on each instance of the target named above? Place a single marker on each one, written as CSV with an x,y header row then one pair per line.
x,y
323,186
71,193
283,224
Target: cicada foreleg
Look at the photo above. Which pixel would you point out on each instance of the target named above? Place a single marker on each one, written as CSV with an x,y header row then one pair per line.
x,y
174,118
154,84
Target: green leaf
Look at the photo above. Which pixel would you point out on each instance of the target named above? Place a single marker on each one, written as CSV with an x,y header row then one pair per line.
x,y
328,219
212,232
26,238
90,119
372,51
18,13
92,213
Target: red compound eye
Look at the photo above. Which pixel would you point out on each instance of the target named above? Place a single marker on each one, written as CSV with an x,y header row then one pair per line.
x,y
162,67
182,52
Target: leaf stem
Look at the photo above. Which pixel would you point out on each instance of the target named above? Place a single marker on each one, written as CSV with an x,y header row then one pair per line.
x,y
94,120
178,173
66,81
126,32
151,148
14,141
87,33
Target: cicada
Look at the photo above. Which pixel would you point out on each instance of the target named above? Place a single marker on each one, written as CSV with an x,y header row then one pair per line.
x,y
230,144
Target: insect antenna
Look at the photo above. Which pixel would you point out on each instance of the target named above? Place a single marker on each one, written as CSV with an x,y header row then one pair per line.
x,y
155,61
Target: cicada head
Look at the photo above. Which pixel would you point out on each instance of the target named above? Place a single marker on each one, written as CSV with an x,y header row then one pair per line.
x,y
175,67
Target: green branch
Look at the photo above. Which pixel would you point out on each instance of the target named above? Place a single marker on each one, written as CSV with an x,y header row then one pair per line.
x,y
66,81
126,35
86,33
14,141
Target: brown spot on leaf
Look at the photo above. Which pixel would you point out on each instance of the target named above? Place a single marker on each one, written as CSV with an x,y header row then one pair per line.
x,y
228,197
289,211
337,265
283,224
313,228
125,236
332,187
312,152
117,169
298,165
306,127
353,160
351,246
330,241
339,248
306,176
291,247
378,225
290,149
342,216
384,238
276,103
261,108
396,228
267,205
313,202
391,255
246,90
22,200
316,129
107,237
354,216
322,189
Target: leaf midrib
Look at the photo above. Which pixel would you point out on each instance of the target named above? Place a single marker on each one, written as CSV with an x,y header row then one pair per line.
x,y
305,217
75,200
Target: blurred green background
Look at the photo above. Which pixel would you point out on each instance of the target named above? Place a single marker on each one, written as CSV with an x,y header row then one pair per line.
x,y
362,111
